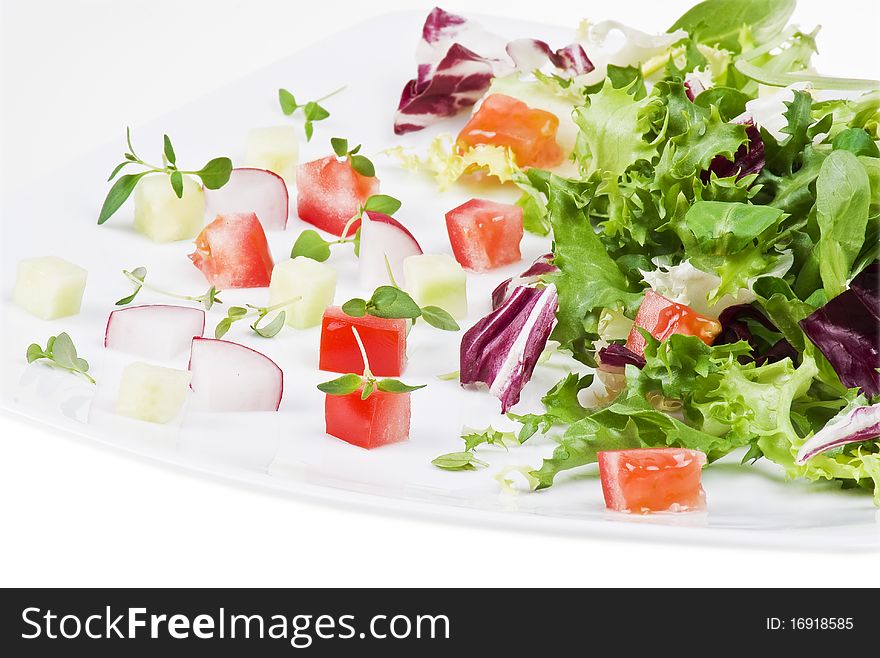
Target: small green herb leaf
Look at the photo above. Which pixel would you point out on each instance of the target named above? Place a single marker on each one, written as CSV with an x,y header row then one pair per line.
x,y
271,329
117,169
369,387
35,352
216,173
210,298
128,300
236,312
356,308
311,245
169,151
387,205
314,112
118,194
391,302
222,327
342,385
177,183
287,101
396,386
340,146
309,130
459,461
437,317
362,165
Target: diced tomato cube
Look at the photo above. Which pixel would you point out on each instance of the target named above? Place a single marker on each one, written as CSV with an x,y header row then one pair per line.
x,y
662,317
232,252
485,234
652,479
380,419
505,121
330,192
384,341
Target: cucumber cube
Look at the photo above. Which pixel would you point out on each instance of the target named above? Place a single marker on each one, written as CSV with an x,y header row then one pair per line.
x,y
161,216
151,393
437,280
303,277
49,287
275,148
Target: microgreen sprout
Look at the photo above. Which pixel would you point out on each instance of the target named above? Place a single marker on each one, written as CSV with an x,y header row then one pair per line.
x,y
268,330
60,352
392,302
138,277
366,382
467,459
214,175
312,111
360,163
311,245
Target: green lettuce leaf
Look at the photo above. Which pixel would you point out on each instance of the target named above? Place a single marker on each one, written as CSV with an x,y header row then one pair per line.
x,y
588,280
843,195
721,22
612,128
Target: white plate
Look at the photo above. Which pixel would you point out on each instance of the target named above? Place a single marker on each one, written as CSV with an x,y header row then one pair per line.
x,y
288,450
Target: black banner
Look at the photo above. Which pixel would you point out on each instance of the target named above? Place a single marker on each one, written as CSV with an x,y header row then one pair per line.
x,y
420,622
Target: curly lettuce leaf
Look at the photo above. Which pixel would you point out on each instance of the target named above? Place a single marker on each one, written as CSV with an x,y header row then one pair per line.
x,y
443,161
612,127
688,154
588,280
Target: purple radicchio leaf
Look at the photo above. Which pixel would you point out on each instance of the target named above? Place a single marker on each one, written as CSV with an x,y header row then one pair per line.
x,y
748,159
530,277
531,54
693,86
734,328
860,424
615,357
847,331
503,348
866,286
457,60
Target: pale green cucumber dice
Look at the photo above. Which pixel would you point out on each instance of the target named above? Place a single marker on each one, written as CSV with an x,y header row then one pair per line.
x,y
49,287
437,280
161,216
275,148
303,277
152,393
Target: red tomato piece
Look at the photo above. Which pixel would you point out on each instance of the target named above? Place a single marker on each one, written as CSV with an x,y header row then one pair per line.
x,y
330,192
485,234
380,419
384,341
652,479
662,317
505,121
232,252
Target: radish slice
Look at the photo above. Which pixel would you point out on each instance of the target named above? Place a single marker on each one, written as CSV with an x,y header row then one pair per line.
x,y
157,331
384,237
251,190
227,376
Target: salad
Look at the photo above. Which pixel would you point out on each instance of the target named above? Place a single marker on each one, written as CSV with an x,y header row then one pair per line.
x,y
710,206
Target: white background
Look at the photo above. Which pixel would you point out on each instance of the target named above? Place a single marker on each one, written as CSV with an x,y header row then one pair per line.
x,y
73,513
